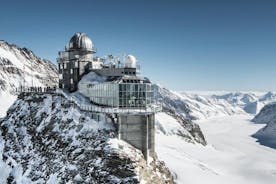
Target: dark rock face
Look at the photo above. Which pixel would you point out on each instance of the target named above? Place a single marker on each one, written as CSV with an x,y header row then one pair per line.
x,y
45,138
266,115
251,107
267,135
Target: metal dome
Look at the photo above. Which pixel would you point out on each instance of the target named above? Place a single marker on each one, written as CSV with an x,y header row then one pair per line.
x,y
81,41
130,61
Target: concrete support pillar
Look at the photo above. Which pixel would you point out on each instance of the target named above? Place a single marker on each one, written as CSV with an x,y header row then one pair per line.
x,y
119,127
138,130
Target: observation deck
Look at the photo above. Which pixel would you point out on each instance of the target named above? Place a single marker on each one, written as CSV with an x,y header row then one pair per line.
x,y
153,107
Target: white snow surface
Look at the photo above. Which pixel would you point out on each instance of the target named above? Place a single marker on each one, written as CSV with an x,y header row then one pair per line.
x,y
232,156
93,78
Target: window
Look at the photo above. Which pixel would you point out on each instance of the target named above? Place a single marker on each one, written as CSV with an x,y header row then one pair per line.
x,y
71,71
71,81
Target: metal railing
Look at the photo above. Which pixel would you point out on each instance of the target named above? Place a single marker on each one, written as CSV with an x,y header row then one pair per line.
x,y
151,108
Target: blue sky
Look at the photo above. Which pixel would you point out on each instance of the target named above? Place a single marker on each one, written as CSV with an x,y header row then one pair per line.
x,y
183,45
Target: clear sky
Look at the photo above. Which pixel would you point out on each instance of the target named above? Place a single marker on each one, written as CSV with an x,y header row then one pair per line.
x,y
183,45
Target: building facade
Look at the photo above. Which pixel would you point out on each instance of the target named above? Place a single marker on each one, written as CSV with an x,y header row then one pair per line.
x,y
113,84
75,61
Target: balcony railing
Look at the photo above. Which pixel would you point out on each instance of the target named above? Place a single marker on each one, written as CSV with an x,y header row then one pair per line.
x,y
150,108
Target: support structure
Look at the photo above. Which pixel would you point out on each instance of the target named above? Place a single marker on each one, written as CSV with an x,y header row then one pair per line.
x,y
138,130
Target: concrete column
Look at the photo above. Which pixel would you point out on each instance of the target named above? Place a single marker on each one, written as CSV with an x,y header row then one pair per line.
x,y
119,127
138,130
147,139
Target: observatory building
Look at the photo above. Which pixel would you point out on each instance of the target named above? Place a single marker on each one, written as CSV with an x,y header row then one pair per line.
x,y
113,83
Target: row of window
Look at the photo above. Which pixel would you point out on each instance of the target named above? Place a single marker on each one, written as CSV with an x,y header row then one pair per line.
x,y
136,87
129,73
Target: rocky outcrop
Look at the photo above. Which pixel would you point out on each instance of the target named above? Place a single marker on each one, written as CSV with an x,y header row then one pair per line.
x,y
266,115
174,106
47,139
267,135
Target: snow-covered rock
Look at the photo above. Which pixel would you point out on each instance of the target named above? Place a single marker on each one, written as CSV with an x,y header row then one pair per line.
x,y
46,139
173,102
172,125
20,66
267,135
93,78
176,118
266,115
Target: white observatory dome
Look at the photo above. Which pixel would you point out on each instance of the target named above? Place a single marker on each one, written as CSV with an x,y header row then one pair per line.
x,y
81,41
130,61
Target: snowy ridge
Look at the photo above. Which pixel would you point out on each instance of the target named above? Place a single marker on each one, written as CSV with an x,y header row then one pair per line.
x,y
77,148
20,66
205,106
176,118
201,105
173,102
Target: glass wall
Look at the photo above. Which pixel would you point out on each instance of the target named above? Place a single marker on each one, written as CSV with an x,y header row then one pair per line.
x,y
104,94
123,95
135,94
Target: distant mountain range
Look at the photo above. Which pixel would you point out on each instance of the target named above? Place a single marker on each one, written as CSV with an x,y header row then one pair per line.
x,y
204,106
